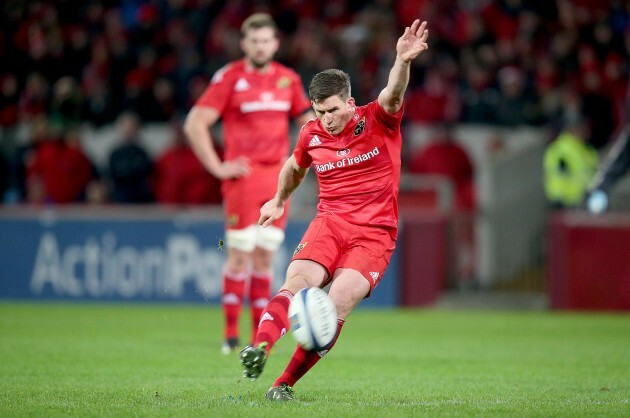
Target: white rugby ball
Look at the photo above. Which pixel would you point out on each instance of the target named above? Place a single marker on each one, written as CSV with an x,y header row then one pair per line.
x,y
313,319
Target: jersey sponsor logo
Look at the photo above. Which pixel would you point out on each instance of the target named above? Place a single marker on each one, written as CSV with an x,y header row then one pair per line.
x,y
283,82
363,157
347,161
374,275
299,248
261,106
314,141
241,85
322,168
360,126
343,152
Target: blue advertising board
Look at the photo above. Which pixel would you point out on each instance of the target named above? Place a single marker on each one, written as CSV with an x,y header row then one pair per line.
x,y
168,257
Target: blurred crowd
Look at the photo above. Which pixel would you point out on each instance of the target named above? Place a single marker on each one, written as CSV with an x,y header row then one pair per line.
x,y
509,63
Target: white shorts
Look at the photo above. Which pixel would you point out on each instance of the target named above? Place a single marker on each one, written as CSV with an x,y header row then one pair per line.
x,y
246,239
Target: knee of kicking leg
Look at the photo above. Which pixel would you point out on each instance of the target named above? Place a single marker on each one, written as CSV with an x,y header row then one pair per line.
x,y
304,273
347,290
296,282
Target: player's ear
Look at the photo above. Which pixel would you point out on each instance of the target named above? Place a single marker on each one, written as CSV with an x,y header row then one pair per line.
x,y
350,102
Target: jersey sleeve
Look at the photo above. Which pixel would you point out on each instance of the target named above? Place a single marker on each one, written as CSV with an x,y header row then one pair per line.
x,y
218,91
302,157
387,120
300,102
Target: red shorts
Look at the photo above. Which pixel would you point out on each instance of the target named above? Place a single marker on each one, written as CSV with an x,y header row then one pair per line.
x,y
335,243
243,197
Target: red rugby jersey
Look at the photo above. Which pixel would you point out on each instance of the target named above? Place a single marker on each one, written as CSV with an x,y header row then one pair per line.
x,y
256,109
358,171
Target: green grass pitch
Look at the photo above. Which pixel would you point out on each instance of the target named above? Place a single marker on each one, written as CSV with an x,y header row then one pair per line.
x,y
152,360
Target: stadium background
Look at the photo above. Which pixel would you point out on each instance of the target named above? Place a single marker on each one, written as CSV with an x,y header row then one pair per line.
x,y
505,75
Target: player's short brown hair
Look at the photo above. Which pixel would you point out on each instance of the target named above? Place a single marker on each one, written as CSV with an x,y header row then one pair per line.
x,y
257,21
329,83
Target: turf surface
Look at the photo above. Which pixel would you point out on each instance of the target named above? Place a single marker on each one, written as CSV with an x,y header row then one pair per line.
x,y
163,360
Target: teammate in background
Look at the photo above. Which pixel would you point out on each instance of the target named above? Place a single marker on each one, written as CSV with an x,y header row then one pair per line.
x,y
356,154
255,97
614,166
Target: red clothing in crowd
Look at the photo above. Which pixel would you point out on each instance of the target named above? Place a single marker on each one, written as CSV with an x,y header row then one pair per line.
x,y
180,178
63,171
448,159
436,101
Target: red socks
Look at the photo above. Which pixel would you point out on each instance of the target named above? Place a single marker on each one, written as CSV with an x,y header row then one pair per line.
x,y
259,294
233,293
274,322
302,361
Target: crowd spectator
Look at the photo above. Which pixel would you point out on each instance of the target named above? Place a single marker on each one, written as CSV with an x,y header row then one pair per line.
x,y
4,175
130,167
570,164
443,156
98,104
34,98
515,107
130,46
180,178
8,100
58,171
66,104
436,101
597,107
508,63
21,155
479,96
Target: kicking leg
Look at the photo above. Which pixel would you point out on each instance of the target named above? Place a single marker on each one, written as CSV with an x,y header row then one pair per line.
x,y
348,289
274,321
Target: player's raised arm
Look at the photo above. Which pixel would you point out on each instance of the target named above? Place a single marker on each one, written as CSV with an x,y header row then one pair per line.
x,y
409,46
289,179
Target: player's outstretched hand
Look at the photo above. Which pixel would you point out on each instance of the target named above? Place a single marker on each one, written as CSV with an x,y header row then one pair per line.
x,y
270,212
413,41
236,168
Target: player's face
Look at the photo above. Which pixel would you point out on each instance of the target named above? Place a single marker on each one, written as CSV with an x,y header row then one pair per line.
x,y
259,46
334,113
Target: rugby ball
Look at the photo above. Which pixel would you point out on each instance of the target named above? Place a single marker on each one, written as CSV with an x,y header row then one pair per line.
x,y
313,319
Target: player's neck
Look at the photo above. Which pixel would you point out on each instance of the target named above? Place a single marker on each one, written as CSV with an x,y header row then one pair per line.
x,y
258,69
